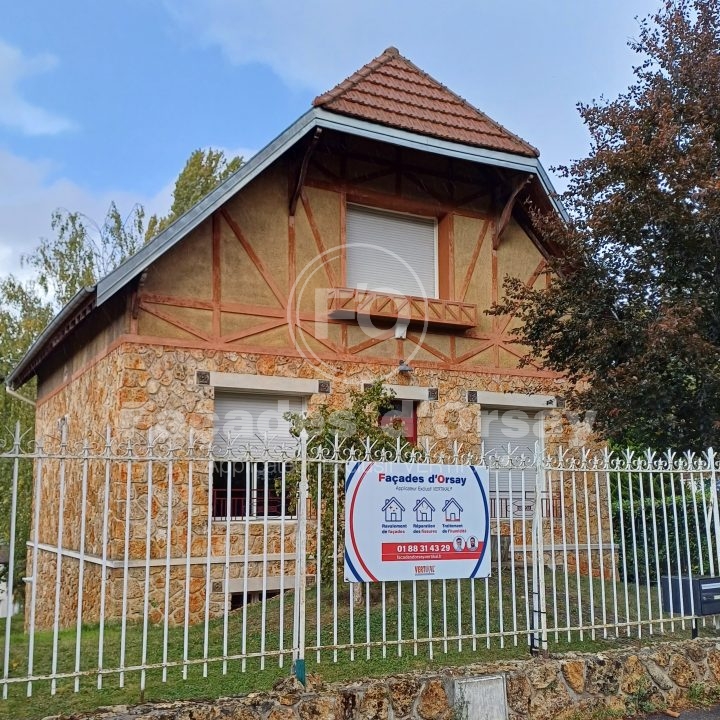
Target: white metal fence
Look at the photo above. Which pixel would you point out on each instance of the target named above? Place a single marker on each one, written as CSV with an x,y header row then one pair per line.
x,y
129,558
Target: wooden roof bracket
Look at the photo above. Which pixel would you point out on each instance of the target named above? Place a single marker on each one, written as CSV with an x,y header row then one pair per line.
x,y
303,171
135,307
506,213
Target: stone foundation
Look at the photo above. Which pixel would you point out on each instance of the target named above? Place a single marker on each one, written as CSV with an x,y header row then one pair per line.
x,y
156,391
556,688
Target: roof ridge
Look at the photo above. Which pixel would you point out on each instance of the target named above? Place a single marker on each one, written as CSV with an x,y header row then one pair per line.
x,y
375,64
469,105
338,94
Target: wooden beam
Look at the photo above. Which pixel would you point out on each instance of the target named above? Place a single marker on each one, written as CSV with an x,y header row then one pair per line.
x,y
474,259
427,347
266,274
366,196
303,171
216,275
506,213
175,322
529,283
255,330
318,240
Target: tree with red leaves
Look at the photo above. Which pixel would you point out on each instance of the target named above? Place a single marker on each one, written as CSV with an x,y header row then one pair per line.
x,y
633,312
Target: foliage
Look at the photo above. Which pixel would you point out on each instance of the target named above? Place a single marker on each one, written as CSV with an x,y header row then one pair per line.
x,y
633,314
645,698
703,694
82,252
203,172
23,314
77,256
343,435
662,505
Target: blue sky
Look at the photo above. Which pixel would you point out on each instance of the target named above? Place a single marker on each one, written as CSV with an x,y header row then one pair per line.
x,y
105,100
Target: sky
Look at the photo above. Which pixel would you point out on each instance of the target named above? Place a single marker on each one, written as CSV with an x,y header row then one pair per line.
x,y
104,101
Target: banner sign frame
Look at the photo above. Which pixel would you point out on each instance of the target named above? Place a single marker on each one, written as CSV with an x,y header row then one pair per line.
x,y
416,521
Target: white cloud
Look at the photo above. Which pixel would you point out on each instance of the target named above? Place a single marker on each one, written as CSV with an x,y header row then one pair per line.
x,y
17,112
525,63
29,194
310,44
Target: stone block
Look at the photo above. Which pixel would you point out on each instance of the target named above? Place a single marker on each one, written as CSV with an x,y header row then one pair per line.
x,y
433,703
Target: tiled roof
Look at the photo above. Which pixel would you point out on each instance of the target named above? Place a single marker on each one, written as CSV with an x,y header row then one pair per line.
x,y
391,91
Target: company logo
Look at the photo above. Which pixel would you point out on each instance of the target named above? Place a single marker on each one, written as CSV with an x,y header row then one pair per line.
x,y
424,569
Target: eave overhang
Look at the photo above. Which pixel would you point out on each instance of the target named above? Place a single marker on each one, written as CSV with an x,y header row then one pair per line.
x,y
77,309
90,298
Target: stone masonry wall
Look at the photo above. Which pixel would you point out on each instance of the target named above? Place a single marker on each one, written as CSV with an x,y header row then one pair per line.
x,y
150,391
557,688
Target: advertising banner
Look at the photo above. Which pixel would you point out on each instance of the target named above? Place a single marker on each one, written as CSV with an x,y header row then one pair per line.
x,y
410,521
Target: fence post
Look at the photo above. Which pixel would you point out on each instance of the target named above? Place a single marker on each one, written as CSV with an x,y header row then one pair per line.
x,y
539,636
714,500
301,564
10,580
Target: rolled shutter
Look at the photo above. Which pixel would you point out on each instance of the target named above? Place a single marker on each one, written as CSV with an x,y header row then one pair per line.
x,y
502,428
252,421
390,253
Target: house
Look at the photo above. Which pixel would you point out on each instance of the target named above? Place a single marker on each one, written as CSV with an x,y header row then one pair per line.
x,y
423,510
452,510
368,238
393,510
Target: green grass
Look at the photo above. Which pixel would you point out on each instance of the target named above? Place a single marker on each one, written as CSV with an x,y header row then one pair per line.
x,y
383,619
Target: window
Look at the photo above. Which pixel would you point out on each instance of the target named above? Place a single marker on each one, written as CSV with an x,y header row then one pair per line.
x,y
255,490
508,434
250,436
402,418
391,253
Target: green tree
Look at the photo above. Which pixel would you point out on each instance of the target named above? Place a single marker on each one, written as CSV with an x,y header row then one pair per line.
x,y
343,434
23,314
81,251
203,172
633,313
77,256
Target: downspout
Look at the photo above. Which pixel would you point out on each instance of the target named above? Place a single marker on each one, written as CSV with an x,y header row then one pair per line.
x,y
18,396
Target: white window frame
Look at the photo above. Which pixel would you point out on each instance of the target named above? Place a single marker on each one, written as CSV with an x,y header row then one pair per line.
x,y
399,214
243,384
532,405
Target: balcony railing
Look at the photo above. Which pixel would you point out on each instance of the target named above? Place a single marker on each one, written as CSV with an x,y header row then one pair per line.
x,y
349,303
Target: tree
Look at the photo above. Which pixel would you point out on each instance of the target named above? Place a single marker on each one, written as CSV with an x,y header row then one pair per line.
x,y
203,172
78,255
340,435
633,313
82,252
23,315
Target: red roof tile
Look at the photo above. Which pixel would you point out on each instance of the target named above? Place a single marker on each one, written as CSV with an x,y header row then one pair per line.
x,y
390,90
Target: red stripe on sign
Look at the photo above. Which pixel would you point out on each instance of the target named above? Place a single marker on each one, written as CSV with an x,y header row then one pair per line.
x,y
352,525
400,552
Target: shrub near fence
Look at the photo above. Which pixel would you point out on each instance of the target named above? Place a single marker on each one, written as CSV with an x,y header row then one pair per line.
x,y
667,498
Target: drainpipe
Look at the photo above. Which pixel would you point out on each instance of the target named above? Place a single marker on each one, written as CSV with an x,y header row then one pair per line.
x,y
18,396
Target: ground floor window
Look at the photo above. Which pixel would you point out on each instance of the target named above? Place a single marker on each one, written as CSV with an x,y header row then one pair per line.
x,y
510,437
254,427
250,489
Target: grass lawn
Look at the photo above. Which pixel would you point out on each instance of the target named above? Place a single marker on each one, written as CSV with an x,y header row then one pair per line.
x,y
384,617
